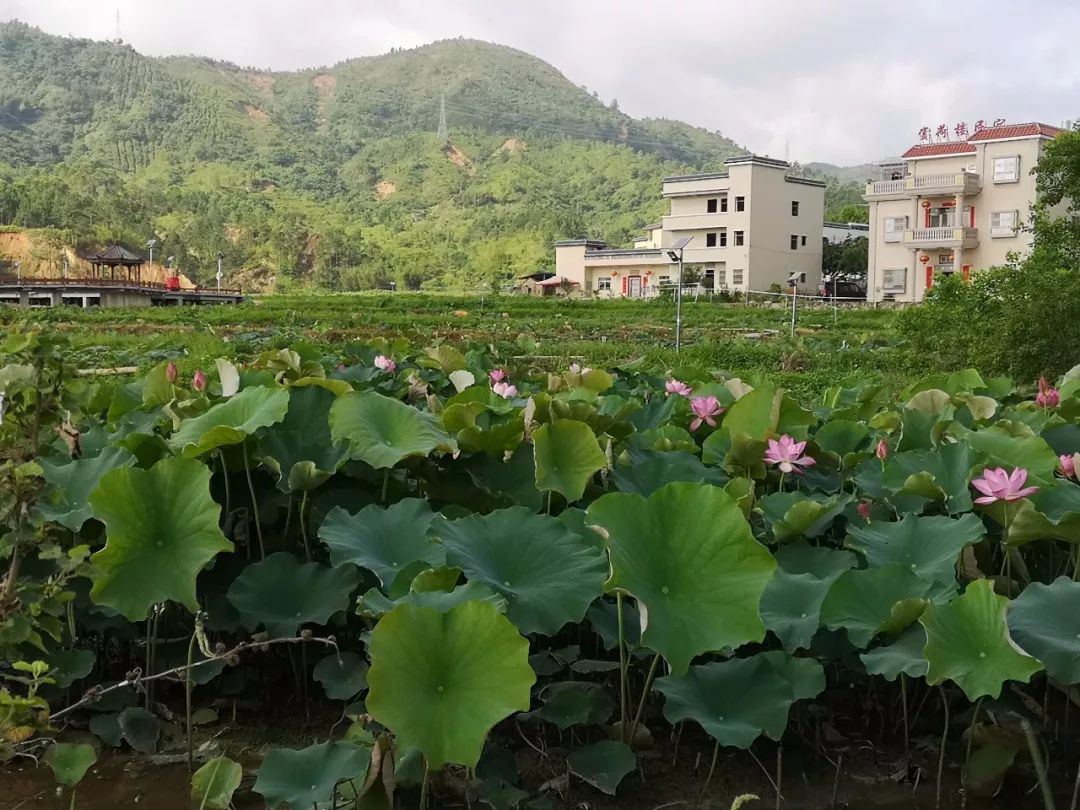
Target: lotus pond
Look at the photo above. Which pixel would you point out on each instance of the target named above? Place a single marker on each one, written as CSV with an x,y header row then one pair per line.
x,y
430,577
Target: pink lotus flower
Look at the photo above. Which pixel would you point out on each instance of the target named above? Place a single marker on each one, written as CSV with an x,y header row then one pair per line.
x,y
882,450
998,485
505,390
198,382
497,375
171,372
864,510
384,363
787,455
705,409
1067,465
576,368
1048,396
341,367
676,387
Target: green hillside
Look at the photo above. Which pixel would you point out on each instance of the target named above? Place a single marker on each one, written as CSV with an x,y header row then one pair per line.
x,y
329,175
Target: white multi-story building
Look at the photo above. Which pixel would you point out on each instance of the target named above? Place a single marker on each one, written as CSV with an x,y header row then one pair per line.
x,y
752,226
952,207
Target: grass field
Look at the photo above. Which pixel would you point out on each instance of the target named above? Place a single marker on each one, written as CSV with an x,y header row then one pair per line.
x,y
848,347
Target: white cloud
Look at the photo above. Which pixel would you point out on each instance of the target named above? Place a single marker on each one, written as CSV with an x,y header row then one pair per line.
x,y
841,81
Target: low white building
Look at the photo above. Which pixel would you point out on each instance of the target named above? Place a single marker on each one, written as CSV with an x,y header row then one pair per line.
x,y
837,232
751,226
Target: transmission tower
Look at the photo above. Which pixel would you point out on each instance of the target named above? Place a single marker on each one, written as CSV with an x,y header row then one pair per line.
x,y
118,37
443,134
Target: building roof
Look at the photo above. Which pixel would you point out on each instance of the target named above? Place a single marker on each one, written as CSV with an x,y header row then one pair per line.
x,y
938,149
757,160
1002,133
588,243
848,226
805,181
686,178
115,254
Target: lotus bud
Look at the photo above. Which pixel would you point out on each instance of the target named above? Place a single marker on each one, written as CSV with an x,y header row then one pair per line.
x,y
198,382
864,510
171,372
882,450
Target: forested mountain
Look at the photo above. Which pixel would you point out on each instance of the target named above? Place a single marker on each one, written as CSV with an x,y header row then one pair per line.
x,y
333,175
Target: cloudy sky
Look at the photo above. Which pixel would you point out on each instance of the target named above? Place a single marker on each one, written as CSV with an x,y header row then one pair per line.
x,y
843,81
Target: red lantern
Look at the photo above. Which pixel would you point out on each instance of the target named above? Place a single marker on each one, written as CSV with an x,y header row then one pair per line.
x,y
924,259
614,273
925,203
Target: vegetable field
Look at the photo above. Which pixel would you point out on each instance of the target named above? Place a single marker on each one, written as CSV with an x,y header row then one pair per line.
x,y
482,579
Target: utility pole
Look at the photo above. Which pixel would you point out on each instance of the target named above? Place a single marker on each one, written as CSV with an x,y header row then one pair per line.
x,y
443,134
675,253
220,257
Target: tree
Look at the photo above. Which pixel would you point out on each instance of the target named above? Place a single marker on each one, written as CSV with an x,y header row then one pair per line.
x,y
1054,222
847,259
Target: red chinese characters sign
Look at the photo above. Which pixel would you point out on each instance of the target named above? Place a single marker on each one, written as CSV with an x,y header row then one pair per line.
x,y
961,131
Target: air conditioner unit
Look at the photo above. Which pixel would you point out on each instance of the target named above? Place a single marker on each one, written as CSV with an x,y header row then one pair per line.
x,y
972,168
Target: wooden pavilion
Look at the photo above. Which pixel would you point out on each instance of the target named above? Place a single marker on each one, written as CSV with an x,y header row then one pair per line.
x,y
115,257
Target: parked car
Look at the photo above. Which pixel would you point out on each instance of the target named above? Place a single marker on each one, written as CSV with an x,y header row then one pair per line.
x,y
843,288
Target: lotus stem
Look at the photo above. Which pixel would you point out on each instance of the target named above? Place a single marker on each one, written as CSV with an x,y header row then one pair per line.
x,y
644,694
622,666
225,476
903,703
424,786
1040,768
944,737
1076,789
779,774
187,703
712,767
967,755
151,635
254,507
303,525
385,483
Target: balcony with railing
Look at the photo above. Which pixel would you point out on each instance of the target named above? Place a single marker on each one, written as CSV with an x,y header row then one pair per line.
x,y
924,185
947,237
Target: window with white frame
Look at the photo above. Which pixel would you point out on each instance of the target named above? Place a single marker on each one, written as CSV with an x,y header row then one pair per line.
x,y
665,280
1003,223
736,276
721,277
894,228
1007,169
603,284
894,280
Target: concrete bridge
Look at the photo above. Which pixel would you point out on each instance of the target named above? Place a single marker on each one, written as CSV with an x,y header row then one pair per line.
x,y
106,292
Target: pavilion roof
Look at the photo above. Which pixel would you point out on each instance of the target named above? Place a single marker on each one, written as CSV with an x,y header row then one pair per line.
x,y
116,255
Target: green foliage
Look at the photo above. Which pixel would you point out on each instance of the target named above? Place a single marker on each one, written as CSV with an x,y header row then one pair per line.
x,y
306,777
214,784
70,762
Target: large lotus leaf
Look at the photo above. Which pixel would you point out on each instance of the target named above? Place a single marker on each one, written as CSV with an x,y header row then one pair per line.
x,y
70,485
161,528
874,600
1045,621
301,779
604,618
603,764
764,413
231,422
943,475
902,656
791,604
928,546
687,555
644,477
513,479
575,703
737,700
567,456
445,358
1009,444
1052,513
214,784
440,681
342,676
840,437
919,430
493,436
68,666
548,574
382,540
791,514
300,449
382,431
375,603
140,729
967,641
281,593
664,439
70,762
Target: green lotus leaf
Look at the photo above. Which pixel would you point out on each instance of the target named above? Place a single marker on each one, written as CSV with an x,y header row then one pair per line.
x,y
929,546
299,448
342,676
106,727
791,514
919,429
791,604
231,422
441,681
513,480
737,700
68,666
69,762
932,401
548,574
967,641
381,431
575,703
495,438
156,388
686,553
281,593
1045,621
644,477
567,456
1009,444
841,437
382,540
445,358
664,439
942,475
861,601
375,603
214,784
902,656
304,778
741,456
604,618
603,764
1052,513
70,485
140,729
765,413
161,528
589,666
